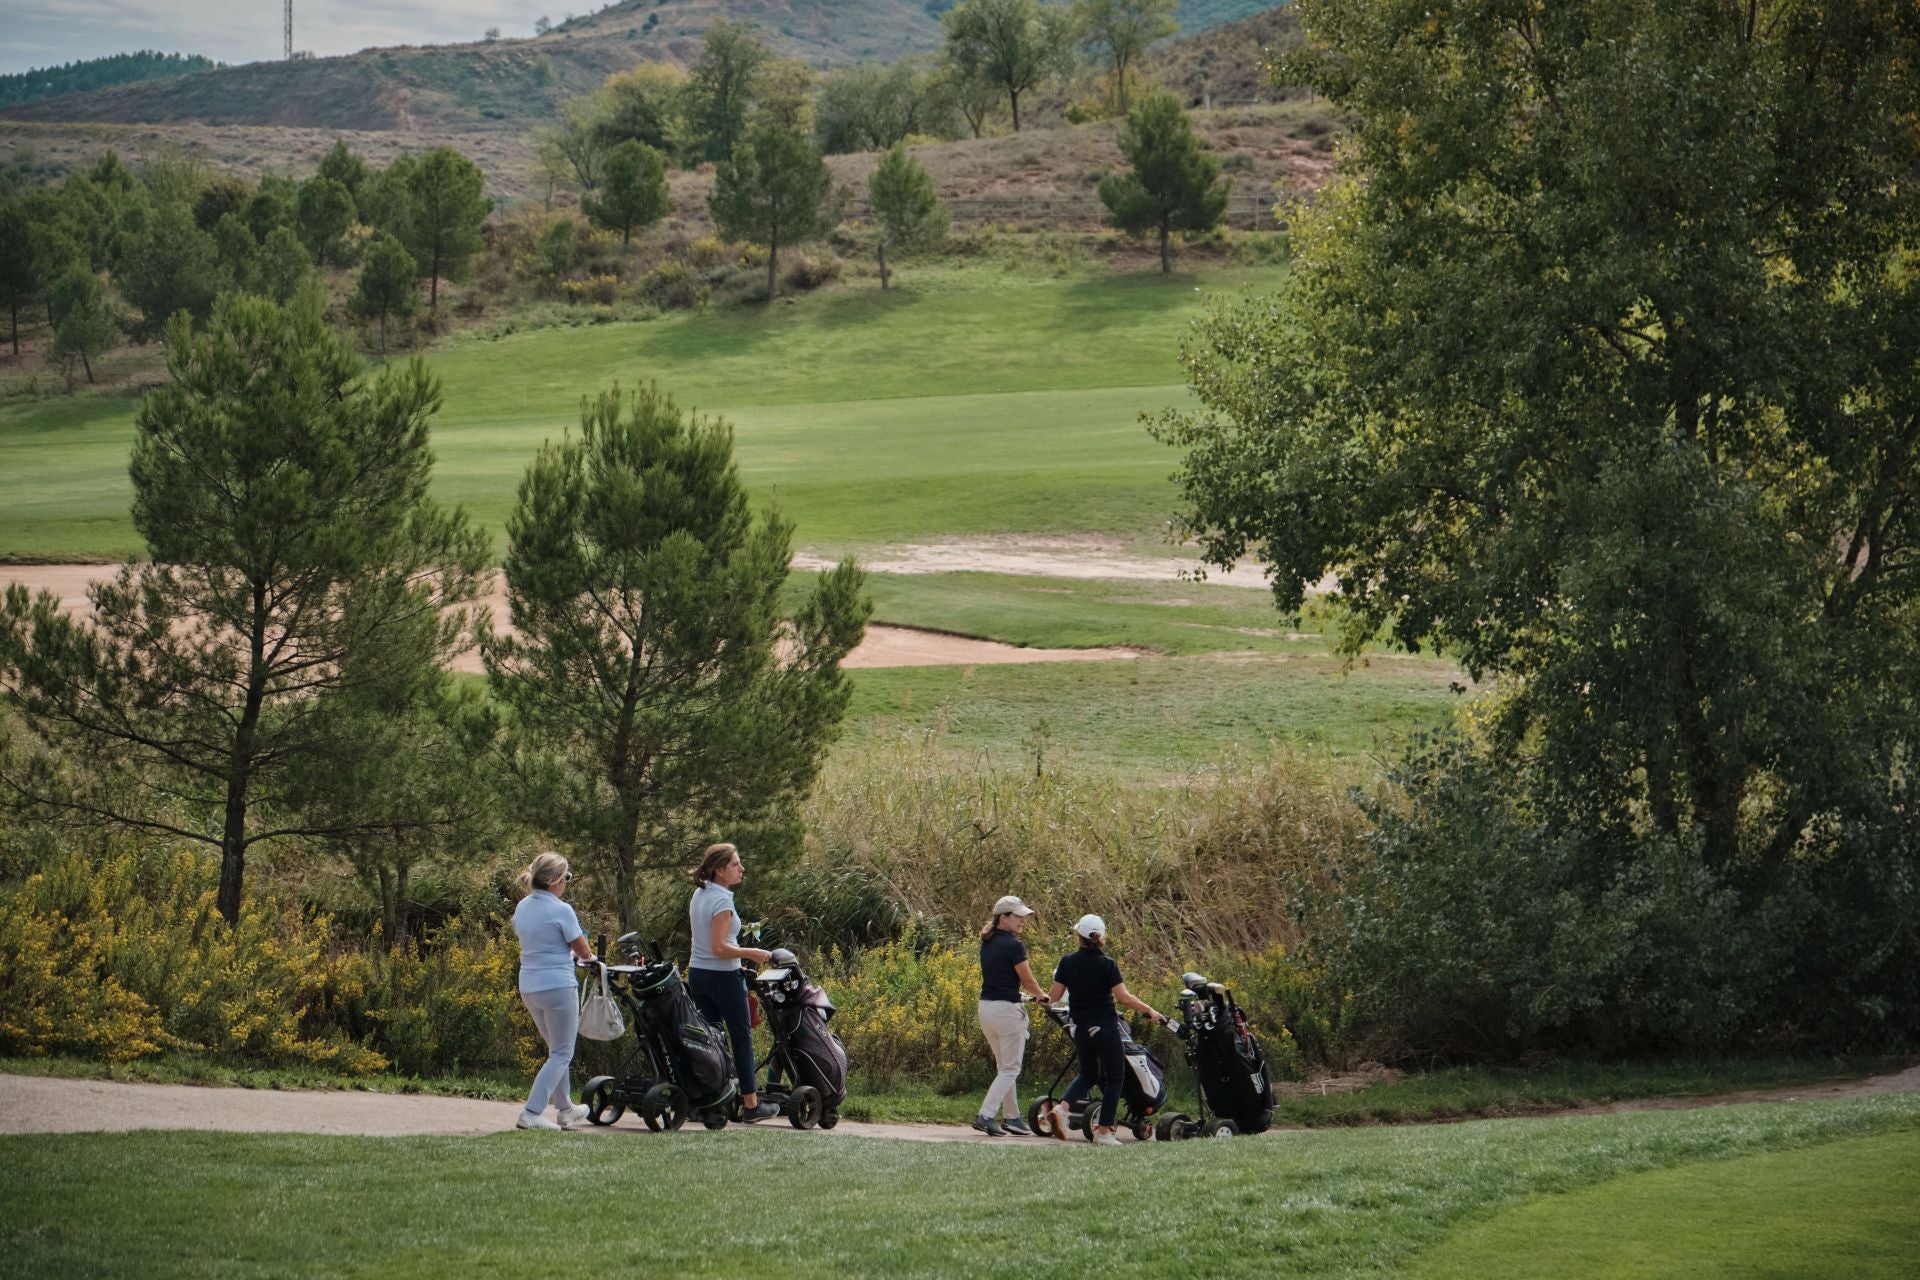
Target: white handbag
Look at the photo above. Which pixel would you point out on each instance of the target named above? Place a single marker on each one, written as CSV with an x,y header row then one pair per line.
x,y
599,1014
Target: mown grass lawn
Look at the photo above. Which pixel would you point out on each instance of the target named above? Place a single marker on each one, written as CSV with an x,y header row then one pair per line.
x,y
1350,1203
969,405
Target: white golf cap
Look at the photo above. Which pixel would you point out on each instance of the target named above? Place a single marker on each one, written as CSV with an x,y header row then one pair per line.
x,y
1088,925
1011,906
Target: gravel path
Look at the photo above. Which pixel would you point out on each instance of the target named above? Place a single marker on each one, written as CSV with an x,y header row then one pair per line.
x,y
38,1104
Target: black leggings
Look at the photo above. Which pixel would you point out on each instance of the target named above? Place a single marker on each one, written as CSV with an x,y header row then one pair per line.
x,y
721,994
1101,1063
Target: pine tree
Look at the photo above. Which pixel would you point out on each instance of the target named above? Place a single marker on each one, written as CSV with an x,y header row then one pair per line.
x,y
84,324
651,670
773,191
445,209
295,558
909,214
386,284
633,190
1171,186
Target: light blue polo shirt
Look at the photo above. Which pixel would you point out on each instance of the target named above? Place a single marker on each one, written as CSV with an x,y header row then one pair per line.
x,y
709,900
547,928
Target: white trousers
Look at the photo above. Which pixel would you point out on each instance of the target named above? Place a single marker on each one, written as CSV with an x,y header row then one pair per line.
x,y
1004,1023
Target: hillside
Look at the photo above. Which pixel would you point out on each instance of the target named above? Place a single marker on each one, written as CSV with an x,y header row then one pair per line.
x,y
99,73
510,85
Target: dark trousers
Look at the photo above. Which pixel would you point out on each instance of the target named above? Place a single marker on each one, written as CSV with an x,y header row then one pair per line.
x,y
1101,1063
722,996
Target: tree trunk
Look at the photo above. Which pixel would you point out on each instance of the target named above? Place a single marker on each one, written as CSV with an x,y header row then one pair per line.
x,y
773,265
1013,98
882,248
433,290
399,933
1166,259
383,335
233,834
16,328
87,365
626,235
1120,84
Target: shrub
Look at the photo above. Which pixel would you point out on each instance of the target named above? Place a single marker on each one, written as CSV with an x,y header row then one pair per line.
x,y
673,285
910,1012
602,288
808,272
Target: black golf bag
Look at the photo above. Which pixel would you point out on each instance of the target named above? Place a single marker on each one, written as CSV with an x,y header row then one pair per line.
x,y
1143,1089
806,1069
1227,1064
679,1065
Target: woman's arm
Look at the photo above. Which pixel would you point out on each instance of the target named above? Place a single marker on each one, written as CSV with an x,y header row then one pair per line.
x,y
724,950
1057,992
1024,972
1123,996
581,951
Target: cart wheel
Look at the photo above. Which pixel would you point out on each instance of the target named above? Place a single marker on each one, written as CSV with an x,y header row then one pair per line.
x,y
829,1119
805,1107
1088,1115
715,1118
1170,1127
1040,1116
1223,1129
602,1107
663,1107
1142,1130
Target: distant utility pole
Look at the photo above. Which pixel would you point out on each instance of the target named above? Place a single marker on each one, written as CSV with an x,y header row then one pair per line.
x,y
289,26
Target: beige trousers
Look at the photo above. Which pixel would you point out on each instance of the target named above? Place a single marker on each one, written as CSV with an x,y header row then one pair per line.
x,y
1004,1023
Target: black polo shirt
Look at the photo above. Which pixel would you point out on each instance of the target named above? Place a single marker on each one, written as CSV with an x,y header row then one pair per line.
x,y
1000,953
1089,977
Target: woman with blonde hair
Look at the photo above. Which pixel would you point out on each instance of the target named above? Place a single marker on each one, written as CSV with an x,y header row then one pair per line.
x,y
551,944
1004,972
714,979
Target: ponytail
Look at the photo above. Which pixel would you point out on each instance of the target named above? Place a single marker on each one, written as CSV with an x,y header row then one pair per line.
x,y
1093,942
716,857
986,930
545,871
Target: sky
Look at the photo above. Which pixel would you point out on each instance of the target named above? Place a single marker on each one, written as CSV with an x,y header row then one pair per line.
x,y
40,33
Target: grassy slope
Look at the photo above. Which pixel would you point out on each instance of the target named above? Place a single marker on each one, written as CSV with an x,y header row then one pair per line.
x,y
963,403
1350,1203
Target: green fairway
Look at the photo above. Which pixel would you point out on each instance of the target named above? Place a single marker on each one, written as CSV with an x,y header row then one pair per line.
x,y
1351,1203
1842,1209
972,405
1155,714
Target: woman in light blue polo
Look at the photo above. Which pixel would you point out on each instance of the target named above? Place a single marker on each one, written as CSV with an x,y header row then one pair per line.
x,y
551,943
714,979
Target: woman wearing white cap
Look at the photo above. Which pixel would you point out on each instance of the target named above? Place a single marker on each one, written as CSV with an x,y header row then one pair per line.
x,y
1092,982
1004,972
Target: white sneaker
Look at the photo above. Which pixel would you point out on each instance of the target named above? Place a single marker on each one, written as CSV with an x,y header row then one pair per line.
x,y
572,1117
528,1120
1106,1140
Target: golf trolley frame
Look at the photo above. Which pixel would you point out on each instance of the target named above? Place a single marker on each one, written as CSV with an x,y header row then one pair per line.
x,y
648,1081
1082,1114
1201,1002
779,988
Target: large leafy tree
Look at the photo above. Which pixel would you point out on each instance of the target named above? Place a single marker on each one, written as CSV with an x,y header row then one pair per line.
x,y
908,213
650,664
444,209
720,88
774,190
1172,184
1119,31
1013,45
295,560
1600,366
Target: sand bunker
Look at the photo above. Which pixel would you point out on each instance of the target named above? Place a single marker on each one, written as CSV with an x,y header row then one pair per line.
x,y
884,646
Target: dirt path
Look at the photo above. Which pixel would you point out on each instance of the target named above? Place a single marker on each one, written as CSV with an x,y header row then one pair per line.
x,y
884,646
37,1104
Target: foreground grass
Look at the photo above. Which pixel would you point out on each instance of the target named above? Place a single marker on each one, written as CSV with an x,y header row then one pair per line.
x,y
967,405
1353,1203
1840,1209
